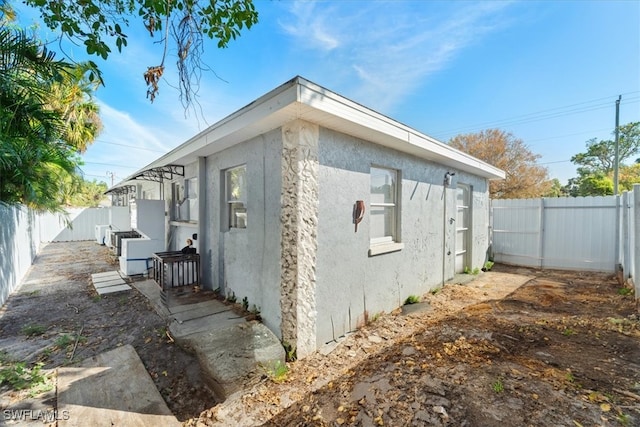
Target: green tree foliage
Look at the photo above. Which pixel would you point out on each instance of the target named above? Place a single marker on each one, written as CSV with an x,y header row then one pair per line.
x,y
600,155
594,184
595,166
72,98
524,177
629,175
100,25
36,151
79,192
556,189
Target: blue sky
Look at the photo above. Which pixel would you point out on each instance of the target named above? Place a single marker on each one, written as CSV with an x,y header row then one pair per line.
x,y
549,72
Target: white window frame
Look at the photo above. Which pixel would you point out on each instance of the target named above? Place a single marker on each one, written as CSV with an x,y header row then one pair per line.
x,y
191,193
236,204
392,242
184,195
177,193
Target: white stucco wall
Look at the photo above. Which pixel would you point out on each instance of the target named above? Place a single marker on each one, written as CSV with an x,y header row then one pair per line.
x,y
329,286
246,262
350,283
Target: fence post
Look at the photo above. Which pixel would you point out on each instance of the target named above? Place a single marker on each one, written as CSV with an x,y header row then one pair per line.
x,y
541,238
636,238
625,235
617,263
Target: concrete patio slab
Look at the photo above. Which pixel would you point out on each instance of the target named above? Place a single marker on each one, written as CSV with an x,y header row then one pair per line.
x,y
111,389
107,283
209,308
107,275
231,355
205,324
113,289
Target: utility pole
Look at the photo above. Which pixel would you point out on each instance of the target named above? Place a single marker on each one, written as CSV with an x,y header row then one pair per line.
x,y
112,175
616,161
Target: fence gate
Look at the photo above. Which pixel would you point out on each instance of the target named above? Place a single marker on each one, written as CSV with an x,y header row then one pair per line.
x,y
571,233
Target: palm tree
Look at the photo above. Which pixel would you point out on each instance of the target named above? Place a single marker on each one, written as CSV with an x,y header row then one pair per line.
x,y
73,99
39,139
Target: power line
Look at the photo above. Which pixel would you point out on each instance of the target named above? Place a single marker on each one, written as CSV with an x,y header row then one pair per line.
x,y
555,161
541,117
129,146
112,164
566,135
543,114
95,176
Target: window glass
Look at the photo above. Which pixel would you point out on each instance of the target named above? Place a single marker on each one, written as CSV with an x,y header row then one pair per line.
x,y
236,196
383,209
383,185
191,188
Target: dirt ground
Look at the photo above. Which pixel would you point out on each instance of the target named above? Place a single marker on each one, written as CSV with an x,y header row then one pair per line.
x,y
514,347
57,298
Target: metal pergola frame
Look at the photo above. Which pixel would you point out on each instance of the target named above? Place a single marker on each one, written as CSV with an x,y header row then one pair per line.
x,y
158,174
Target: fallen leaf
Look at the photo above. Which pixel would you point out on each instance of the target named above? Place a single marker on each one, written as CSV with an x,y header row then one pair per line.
x,y
605,407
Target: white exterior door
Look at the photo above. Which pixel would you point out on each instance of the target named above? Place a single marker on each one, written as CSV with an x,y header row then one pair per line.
x,y
463,227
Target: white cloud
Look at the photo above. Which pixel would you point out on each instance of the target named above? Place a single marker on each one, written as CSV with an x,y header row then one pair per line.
x,y
119,125
311,28
391,46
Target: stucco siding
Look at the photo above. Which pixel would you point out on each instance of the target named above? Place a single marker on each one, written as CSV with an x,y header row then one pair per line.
x,y
353,286
246,262
299,216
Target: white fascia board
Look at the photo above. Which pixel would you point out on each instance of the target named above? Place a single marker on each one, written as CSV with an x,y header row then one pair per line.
x,y
467,161
391,133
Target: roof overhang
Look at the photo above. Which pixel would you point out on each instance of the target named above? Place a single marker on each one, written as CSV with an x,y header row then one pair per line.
x,y
304,100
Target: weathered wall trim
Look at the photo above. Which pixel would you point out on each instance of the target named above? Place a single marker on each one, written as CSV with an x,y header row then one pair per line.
x,y
299,215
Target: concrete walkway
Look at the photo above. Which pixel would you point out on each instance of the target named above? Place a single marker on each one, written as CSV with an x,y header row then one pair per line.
x,y
230,350
111,389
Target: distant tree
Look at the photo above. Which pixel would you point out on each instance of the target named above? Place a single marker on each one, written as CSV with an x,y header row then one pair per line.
x,y
180,25
595,166
629,175
524,177
78,192
594,184
556,189
600,155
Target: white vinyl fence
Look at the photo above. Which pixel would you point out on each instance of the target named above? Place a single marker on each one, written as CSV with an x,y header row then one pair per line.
x,y
22,232
583,233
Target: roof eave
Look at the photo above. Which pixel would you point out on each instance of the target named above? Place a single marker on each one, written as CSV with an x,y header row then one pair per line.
x,y
301,99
